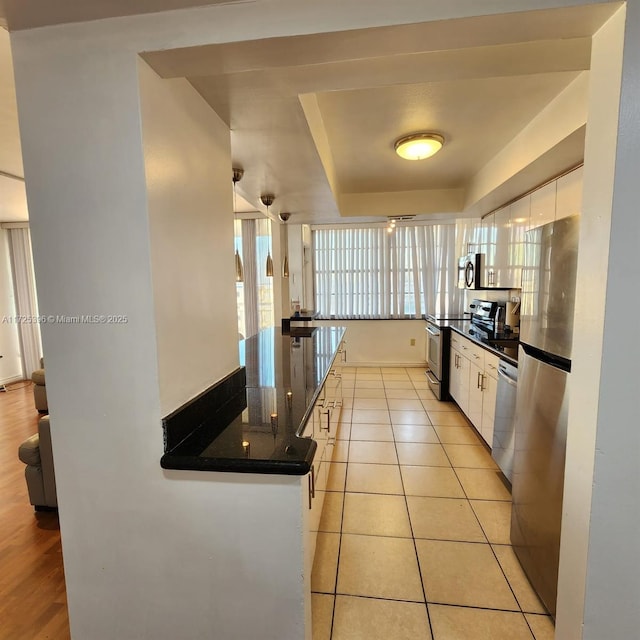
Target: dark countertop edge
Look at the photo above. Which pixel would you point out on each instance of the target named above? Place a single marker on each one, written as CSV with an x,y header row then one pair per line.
x,y
316,393
486,347
341,319
242,465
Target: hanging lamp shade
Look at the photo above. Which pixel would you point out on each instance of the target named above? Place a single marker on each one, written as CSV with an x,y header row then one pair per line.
x,y
267,200
239,268
269,265
285,266
236,177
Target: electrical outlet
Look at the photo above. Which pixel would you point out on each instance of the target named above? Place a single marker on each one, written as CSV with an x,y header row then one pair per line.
x,y
412,342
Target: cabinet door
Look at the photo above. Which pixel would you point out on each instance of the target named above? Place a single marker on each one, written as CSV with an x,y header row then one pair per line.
x,y
474,412
519,224
489,394
488,249
543,205
463,372
502,273
569,194
454,376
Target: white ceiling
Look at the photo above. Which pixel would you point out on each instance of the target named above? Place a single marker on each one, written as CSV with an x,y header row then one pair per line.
x,y
313,118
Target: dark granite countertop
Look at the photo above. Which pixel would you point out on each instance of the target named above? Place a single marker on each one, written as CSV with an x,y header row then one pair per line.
x,y
256,427
504,345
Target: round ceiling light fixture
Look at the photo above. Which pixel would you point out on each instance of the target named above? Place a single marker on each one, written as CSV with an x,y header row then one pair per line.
x,y
419,146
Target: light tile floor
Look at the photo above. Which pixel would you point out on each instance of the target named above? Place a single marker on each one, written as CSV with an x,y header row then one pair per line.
x,y
414,534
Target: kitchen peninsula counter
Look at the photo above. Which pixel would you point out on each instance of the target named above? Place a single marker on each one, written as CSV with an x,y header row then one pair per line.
x,y
252,421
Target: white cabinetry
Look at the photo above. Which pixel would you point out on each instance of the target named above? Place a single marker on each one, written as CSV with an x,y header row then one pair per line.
x,y
473,383
543,205
569,194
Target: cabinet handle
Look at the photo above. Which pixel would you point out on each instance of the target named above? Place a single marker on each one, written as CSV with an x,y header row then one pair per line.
x,y
478,385
311,491
482,387
328,414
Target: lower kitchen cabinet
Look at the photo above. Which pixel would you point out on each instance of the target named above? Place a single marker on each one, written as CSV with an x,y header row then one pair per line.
x,y
473,383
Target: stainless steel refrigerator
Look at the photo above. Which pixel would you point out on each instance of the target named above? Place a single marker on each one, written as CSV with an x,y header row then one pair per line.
x,y
544,366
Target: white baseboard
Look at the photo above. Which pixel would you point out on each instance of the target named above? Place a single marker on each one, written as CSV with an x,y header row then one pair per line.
x,y
406,365
12,379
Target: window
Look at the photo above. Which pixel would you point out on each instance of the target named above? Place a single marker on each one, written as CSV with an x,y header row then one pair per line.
x,y
254,296
370,273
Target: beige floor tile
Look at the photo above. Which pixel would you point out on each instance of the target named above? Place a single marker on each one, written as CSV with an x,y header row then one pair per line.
x,y
376,515
341,451
525,594
463,573
379,404
424,393
321,615
425,454
345,415
343,430
368,376
415,433
457,435
368,370
331,518
374,478
369,393
373,416
370,619
401,404
421,384
337,476
464,623
438,482
470,456
483,484
325,564
374,452
399,384
409,417
379,568
495,518
448,418
393,377
379,432
369,384
398,370
542,626
444,519
437,405
401,394
347,401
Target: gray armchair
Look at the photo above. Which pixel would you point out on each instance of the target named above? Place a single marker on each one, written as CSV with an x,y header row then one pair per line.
x,y
40,389
36,453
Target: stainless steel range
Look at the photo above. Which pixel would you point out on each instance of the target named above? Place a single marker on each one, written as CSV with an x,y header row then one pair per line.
x,y
438,341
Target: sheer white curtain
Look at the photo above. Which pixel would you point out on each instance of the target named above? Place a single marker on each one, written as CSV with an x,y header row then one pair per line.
x,y
366,272
24,285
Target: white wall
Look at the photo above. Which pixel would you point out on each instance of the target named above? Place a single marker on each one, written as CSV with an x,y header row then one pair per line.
x,y
144,554
375,343
11,361
187,155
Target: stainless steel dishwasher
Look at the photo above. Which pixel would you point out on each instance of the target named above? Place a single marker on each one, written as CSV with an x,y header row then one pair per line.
x,y
504,426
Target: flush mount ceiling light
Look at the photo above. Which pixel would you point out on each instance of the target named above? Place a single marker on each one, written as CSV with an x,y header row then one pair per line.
x,y
418,146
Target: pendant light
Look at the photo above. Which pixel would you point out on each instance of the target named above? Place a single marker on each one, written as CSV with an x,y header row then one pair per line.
x,y
237,176
284,216
267,200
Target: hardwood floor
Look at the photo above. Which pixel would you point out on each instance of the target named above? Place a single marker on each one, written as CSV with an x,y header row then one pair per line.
x,y
33,603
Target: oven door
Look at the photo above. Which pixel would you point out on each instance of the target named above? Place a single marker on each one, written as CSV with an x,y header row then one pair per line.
x,y
434,351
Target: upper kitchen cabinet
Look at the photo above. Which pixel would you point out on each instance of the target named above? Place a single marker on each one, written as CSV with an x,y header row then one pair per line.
x,y
501,276
543,205
519,224
569,194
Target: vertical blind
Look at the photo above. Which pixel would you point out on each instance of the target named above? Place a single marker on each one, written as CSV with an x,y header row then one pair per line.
x,y
370,273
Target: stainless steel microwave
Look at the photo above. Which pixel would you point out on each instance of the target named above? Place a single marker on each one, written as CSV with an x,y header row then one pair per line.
x,y
470,271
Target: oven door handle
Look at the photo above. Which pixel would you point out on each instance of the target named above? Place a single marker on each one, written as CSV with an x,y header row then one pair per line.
x,y
431,380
